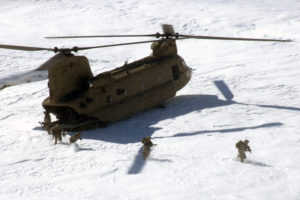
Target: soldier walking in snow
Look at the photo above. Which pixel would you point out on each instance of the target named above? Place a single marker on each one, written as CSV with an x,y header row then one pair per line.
x,y
57,133
47,121
75,137
47,118
147,146
242,147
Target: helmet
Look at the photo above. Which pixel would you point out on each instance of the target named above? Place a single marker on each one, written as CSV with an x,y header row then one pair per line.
x,y
246,141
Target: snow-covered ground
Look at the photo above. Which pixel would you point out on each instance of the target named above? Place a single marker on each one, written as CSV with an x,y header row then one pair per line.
x,y
195,156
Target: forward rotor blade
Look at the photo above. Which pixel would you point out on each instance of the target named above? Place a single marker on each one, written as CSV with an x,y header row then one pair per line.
x,y
95,36
122,44
24,48
232,38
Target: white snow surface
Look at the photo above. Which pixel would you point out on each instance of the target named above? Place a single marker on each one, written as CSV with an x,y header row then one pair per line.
x,y
195,156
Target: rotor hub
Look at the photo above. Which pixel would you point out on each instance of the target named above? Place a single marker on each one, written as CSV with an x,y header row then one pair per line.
x,y
66,51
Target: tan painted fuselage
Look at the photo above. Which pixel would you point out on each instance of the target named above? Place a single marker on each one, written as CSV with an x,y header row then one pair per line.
x,y
75,95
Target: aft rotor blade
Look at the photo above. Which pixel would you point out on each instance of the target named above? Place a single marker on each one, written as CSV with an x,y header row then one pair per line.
x,y
121,44
95,36
24,48
232,38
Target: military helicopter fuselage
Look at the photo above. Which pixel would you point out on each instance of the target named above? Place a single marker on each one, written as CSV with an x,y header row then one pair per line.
x,y
82,101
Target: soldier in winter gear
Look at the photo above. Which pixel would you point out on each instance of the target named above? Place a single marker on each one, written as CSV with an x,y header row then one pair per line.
x,y
47,118
147,146
75,137
242,147
57,133
47,121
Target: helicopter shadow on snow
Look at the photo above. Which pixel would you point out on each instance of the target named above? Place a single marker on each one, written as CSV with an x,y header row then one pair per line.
x,y
21,78
132,130
270,106
135,128
139,162
229,130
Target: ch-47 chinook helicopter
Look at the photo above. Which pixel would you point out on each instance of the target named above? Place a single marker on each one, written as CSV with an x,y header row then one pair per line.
x,y
81,101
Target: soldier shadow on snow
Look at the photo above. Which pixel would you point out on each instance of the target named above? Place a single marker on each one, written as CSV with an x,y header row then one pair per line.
x,y
76,147
260,164
139,162
135,128
38,128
